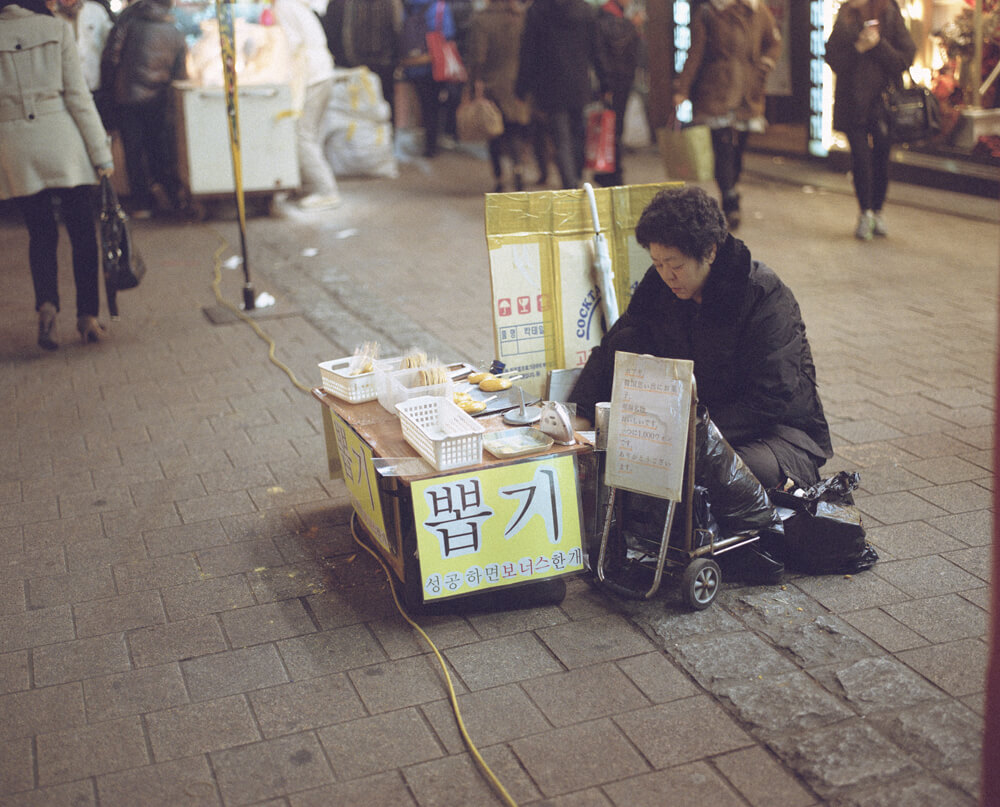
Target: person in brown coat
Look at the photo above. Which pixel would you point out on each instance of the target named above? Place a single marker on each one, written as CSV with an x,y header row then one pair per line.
x,y
734,45
492,61
54,148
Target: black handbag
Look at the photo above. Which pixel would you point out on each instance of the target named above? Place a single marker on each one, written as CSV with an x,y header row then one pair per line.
x,y
913,113
123,266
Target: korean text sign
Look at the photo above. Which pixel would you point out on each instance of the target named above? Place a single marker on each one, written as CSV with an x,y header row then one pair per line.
x,y
497,526
648,425
361,479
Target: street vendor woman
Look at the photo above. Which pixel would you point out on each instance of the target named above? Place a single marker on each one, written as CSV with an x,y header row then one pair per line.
x,y
707,300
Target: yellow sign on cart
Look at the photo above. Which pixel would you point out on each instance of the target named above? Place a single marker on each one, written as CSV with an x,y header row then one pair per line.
x,y
361,479
497,526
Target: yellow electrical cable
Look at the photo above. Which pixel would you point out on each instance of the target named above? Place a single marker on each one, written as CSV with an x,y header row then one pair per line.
x,y
257,329
484,768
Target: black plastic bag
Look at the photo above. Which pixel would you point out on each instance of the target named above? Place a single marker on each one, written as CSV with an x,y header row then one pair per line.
x,y
739,501
822,529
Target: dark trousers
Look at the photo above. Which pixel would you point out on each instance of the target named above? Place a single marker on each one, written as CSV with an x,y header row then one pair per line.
x,y
429,95
870,148
728,145
514,144
150,152
567,128
76,209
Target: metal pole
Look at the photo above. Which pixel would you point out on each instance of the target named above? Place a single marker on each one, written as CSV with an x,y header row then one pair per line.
x,y
227,42
977,54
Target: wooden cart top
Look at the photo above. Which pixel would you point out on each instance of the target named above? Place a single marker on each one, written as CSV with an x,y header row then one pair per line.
x,y
380,429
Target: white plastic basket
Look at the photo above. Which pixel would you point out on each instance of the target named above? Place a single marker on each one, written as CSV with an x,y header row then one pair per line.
x,y
441,433
351,388
393,386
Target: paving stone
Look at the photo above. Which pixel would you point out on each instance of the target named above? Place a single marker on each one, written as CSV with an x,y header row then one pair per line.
x,y
490,716
280,766
940,619
232,672
199,727
207,597
63,532
241,556
918,791
449,782
938,663
37,711
329,652
865,455
17,767
502,661
889,478
171,540
36,628
82,658
584,694
12,597
578,757
761,780
893,508
960,497
721,661
72,794
657,677
671,626
399,640
375,744
692,784
939,734
490,625
115,614
137,520
878,684
114,745
258,624
785,702
404,682
589,641
33,563
215,506
261,525
910,540
304,705
592,797
14,675
682,731
383,788
134,692
824,639
882,629
932,574
170,490
849,754
975,560
974,529
864,431
840,593
287,582
175,641
154,573
187,781
946,470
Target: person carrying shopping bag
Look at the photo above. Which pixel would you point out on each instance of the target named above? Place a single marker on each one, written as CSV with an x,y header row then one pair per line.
x,y
734,45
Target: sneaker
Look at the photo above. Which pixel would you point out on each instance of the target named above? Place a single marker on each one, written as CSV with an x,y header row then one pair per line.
x,y
320,201
878,225
866,226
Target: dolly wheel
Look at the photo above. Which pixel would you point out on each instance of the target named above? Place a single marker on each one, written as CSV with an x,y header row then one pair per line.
x,y
701,581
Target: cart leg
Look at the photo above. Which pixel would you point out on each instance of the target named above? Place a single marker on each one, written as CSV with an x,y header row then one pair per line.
x,y
604,535
664,541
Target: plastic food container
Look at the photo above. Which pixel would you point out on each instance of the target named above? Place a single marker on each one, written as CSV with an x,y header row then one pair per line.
x,y
441,432
394,386
351,388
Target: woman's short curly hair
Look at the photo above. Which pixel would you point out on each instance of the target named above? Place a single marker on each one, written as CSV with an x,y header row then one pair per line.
x,y
685,218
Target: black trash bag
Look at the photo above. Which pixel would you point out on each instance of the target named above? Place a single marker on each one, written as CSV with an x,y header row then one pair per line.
x,y
822,530
739,501
644,517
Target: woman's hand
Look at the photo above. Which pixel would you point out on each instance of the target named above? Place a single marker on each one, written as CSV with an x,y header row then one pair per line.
x,y
106,170
679,98
867,39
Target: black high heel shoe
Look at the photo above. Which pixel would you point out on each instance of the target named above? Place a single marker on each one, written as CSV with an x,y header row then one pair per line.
x,y
47,327
90,329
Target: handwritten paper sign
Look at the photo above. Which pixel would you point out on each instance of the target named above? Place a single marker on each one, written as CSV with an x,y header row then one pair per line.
x,y
648,427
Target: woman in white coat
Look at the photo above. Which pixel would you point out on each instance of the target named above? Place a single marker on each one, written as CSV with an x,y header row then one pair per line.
x,y
54,149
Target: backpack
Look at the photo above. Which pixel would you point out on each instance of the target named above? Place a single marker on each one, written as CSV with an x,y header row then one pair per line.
x,y
413,43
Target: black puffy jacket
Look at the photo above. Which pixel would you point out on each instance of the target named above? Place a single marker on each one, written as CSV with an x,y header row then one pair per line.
x,y
144,53
752,362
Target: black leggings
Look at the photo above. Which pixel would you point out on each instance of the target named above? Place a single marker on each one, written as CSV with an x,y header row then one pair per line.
x,y
870,147
728,145
76,209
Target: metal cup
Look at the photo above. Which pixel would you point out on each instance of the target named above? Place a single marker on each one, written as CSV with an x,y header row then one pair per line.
x,y
602,414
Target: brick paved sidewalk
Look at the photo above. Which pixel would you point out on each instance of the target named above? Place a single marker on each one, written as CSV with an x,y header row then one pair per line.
x,y
185,620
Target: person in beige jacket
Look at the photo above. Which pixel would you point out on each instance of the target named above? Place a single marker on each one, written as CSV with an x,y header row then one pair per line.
x,y
734,45
54,149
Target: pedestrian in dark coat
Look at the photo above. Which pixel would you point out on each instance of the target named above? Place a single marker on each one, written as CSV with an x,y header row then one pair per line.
x,y
492,60
145,53
869,49
558,52
707,300
734,45
618,43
